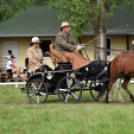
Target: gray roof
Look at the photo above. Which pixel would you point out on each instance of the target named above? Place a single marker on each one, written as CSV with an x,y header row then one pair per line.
x,y
39,20
122,23
42,21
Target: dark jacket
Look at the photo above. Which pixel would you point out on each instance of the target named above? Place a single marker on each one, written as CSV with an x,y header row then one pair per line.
x,y
65,43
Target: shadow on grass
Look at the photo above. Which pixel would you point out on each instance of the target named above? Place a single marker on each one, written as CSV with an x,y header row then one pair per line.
x,y
12,95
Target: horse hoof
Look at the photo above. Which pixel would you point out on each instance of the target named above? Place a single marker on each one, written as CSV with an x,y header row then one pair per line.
x,y
110,100
132,99
107,101
122,101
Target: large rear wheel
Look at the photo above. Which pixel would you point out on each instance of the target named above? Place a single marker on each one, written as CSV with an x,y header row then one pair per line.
x,y
69,90
37,91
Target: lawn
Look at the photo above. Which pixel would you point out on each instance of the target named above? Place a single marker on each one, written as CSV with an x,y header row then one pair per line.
x,y
19,116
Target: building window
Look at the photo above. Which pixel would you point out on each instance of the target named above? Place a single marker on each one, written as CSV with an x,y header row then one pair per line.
x,y
109,53
45,46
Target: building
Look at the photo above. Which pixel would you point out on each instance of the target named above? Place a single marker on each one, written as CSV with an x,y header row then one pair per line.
x,y
41,21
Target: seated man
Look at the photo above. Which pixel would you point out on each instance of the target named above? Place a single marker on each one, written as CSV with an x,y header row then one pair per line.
x,y
66,45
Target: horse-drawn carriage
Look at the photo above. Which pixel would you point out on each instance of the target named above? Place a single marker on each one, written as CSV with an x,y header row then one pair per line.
x,y
69,89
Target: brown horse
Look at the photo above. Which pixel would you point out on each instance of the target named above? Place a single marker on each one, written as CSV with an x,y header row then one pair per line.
x,y
121,65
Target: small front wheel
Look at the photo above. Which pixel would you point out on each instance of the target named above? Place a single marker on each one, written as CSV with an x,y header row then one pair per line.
x,y
36,91
69,90
95,88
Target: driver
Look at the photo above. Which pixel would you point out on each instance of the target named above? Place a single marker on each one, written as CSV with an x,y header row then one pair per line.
x,y
66,45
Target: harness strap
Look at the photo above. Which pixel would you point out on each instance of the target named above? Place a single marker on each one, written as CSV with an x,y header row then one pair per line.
x,y
121,76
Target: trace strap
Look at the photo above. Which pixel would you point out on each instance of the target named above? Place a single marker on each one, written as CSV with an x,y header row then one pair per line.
x,y
108,50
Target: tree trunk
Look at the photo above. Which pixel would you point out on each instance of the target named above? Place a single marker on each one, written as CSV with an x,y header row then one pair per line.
x,y
100,34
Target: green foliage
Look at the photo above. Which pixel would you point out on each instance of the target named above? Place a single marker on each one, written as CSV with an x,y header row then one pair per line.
x,y
5,13
10,8
83,15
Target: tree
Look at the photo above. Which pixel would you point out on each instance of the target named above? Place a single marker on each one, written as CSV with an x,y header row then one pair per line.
x,y
10,8
5,12
87,15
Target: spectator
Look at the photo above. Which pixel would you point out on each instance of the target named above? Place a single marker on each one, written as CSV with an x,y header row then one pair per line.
x,y
12,57
10,67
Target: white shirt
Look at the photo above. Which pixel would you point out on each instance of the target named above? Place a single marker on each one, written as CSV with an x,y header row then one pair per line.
x,y
8,65
25,68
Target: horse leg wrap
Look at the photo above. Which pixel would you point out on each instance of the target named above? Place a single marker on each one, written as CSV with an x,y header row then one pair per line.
x,y
131,96
107,99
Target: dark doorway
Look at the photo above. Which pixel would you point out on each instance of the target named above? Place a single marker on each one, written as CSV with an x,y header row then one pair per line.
x,y
108,47
45,46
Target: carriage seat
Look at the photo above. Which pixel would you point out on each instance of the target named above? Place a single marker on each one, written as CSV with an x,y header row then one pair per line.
x,y
56,56
59,58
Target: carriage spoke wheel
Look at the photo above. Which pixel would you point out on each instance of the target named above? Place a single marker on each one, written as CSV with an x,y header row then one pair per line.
x,y
69,90
37,91
95,89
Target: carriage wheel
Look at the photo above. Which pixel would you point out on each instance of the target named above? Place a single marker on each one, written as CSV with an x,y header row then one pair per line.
x,y
37,91
95,89
69,90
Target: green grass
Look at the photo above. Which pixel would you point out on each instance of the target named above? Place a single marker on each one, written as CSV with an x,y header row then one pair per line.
x,y
19,116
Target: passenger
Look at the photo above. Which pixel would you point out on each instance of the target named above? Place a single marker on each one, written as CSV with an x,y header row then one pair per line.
x,y
66,45
10,67
25,72
35,55
25,68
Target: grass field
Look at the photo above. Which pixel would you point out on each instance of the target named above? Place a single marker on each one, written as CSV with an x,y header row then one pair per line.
x,y
19,116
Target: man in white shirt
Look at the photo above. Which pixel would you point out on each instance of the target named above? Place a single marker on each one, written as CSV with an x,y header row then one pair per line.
x,y
10,67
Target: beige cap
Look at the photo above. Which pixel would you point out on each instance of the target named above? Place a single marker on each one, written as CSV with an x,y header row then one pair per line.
x,y
35,40
65,24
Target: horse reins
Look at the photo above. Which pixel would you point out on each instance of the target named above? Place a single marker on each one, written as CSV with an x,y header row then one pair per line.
x,y
96,49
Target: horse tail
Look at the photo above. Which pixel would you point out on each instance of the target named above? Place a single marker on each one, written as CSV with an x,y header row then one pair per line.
x,y
105,85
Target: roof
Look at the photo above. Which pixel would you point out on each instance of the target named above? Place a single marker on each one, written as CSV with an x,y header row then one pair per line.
x,y
122,23
42,21
37,21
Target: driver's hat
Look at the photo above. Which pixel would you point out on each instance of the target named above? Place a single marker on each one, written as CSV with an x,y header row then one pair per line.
x,y
65,24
